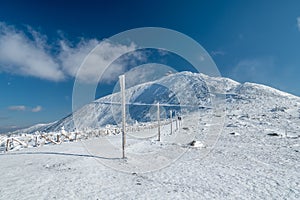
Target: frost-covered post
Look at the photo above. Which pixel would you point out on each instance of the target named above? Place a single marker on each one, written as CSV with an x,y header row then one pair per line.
x,y
176,119
123,102
171,121
57,138
36,140
76,136
7,144
158,121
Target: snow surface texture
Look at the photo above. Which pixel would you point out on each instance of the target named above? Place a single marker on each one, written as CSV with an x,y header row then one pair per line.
x,y
256,157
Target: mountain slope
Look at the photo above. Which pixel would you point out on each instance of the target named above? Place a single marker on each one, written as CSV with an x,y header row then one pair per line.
x,y
184,88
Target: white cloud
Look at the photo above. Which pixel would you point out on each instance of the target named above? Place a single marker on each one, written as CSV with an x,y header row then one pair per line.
x,y
20,55
25,108
27,53
146,73
298,23
71,57
216,53
103,55
17,108
36,109
253,70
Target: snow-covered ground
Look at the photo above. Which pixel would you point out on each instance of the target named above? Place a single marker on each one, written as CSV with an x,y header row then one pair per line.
x,y
246,163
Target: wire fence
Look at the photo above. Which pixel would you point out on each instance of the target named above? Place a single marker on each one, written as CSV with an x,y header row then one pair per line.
x,y
17,141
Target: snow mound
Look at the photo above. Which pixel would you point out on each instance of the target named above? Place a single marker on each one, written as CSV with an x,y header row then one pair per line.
x,y
196,144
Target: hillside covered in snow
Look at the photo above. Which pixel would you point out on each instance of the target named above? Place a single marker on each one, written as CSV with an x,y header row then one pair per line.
x,y
179,89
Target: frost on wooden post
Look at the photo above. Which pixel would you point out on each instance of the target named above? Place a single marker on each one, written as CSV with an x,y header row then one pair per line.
x,y
158,121
123,102
171,118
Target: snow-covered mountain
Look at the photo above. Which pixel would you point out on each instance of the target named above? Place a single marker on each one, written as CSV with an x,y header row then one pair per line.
x,y
187,89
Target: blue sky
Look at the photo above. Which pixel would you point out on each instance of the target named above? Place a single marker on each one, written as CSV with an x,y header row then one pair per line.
x,y
42,42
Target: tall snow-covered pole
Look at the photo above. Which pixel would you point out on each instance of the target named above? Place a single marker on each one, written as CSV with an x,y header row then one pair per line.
x,y
123,102
158,121
171,118
176,119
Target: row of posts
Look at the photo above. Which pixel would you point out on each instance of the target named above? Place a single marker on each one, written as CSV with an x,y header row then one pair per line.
x,y
171,121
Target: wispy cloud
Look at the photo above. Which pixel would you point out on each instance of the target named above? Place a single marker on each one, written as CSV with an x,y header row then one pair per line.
x,y
17,108
72,56
253,70
218,53
37,109
102,56
29,57
298,23
145,73
27,53
25,108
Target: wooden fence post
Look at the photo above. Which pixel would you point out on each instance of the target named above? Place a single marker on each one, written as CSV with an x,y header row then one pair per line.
x,y
36,141
7,144
57,138
171,121
123,102
176,122
158,121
